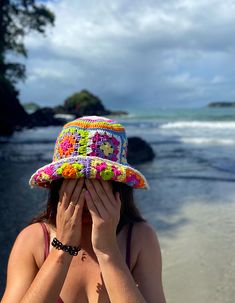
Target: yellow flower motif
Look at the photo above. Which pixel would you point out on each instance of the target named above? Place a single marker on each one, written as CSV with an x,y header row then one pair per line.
x,y
106,148
45,176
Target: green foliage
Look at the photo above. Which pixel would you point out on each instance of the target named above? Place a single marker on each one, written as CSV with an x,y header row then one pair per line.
x,y
83,103
82,98
18,18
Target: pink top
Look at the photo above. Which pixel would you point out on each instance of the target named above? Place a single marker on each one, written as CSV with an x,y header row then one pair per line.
x,y
47,245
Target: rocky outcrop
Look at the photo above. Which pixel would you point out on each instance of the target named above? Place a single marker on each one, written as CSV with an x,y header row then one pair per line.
x,y
139,151
13,115
45,116
84,103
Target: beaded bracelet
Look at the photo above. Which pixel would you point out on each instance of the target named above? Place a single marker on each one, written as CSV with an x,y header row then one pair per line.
x,y
70,249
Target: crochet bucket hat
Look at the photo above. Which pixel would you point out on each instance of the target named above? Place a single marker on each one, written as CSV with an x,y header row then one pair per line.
x,y
90,147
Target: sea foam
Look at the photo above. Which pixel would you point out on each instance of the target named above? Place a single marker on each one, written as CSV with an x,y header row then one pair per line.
x,y
208,141
198,124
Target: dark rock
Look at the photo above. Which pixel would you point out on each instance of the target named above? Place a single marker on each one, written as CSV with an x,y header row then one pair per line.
x,y
12,114
60,109
45,117
139,151
221,104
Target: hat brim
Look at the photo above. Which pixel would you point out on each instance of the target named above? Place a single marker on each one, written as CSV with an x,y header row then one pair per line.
x,y
88,167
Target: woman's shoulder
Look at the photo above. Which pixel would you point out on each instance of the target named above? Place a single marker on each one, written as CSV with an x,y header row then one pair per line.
x,y
145,229
144,235
32,238
31,233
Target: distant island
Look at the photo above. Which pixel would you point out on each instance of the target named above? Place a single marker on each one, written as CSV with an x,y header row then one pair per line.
x,y
221,104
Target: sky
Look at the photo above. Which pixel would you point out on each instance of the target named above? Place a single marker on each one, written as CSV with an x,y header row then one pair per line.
x,y
134,54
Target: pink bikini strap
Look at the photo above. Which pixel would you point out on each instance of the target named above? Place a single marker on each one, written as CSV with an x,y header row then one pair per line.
x,y
46,239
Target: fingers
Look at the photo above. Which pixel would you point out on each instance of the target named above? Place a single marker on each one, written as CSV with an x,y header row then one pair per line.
x,y
104,207
72,190
77,214
62,194
77,191
91,206
100,192
107,186
71,185
96,199
65,181
105,192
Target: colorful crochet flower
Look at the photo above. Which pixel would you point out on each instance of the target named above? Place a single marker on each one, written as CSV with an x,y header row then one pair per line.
x,y
104,146
66,146
132,179
116,171
71,142
106,171
68,170
101,166
45,176
107,174
49,170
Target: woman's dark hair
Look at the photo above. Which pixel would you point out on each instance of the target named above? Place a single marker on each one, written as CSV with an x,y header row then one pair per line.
x,y
129,211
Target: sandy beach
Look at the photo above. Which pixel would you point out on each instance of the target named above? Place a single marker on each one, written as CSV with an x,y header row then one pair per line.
x,y
197,244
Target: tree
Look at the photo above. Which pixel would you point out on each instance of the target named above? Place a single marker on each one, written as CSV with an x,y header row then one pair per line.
x,y
17,18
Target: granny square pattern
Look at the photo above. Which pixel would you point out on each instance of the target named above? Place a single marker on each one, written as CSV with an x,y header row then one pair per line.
x,y
90,147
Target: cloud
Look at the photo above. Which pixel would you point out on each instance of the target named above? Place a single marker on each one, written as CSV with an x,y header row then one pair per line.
x,y
154,53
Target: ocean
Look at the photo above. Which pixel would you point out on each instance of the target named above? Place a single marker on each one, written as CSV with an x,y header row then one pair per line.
x,y
190,203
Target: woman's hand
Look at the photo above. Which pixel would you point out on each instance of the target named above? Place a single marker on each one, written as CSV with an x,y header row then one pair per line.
x,y
69,212
104,207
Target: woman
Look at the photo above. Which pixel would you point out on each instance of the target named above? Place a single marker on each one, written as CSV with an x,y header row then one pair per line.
x,y
90,244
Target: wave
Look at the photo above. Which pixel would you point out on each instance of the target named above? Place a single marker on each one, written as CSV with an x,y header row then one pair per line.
x,y
197,124
189,177
208,141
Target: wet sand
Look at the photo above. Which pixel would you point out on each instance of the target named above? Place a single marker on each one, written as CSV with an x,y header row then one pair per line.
x,y
198,247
